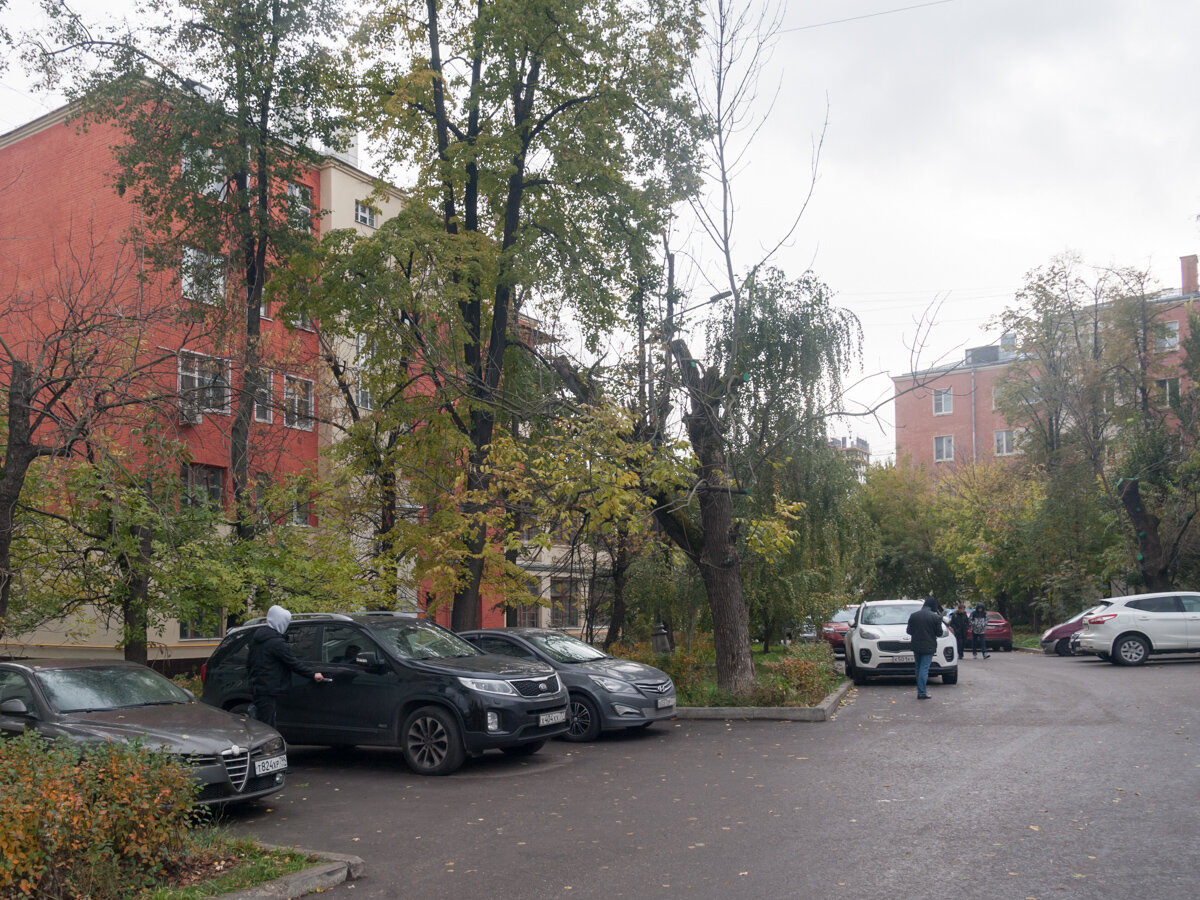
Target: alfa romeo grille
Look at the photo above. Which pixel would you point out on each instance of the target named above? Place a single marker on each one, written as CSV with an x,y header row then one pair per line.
x,y
238,767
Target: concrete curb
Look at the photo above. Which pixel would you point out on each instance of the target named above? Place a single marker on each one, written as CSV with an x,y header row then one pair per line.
x,y
333,869
820,713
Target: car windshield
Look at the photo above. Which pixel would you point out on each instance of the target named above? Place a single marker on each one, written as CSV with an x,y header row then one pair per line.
x,y
891,614
107,687
843,615
563,647
417,639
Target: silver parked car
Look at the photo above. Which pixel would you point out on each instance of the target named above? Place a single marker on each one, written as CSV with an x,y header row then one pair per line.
x,y
233,758
1129,629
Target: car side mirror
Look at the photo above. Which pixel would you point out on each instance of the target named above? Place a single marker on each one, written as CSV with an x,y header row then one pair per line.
x,y
14,707
368,661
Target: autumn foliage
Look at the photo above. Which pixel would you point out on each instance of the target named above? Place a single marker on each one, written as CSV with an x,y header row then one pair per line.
x,y
98,821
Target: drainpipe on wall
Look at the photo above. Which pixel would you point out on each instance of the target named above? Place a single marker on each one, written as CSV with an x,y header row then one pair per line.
x,y
974,455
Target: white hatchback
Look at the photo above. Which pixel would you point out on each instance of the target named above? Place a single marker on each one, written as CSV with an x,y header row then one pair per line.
x,y
878,644
1130,628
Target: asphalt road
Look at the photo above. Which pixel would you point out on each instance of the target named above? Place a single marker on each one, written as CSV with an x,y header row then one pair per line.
x,y
1033,777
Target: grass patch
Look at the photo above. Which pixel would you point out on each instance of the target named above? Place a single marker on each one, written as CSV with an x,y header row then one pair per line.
x,y
215,864
1023,637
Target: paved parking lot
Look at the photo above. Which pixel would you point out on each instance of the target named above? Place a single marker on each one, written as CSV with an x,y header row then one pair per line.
x,y
1033,777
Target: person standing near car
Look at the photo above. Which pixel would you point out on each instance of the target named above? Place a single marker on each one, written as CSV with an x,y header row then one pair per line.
x,y
270,664
924,627
979,631
960,624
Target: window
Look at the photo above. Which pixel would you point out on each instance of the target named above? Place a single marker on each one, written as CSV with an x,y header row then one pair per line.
x,y
1169,339
1168,392
564,603
258,383
300,206
364,214
297,403
361,354
201,276
943,402
300,511
204,382
203,485
1004,442
196,165
943,448
202,628
304,641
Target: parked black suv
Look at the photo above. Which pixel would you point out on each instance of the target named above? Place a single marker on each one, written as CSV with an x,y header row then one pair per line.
x,y
402,681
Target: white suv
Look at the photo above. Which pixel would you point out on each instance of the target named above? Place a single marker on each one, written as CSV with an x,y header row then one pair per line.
x,y
1130,628
879,645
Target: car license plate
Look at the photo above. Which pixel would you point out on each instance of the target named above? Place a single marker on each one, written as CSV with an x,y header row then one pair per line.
x,y
273,764
902,658
665,702
552,718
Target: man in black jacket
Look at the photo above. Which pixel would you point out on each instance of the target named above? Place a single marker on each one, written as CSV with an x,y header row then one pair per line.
x,y
925,627
271,663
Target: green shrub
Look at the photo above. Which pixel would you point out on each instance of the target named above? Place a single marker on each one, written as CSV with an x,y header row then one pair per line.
x,y
802,676
98,821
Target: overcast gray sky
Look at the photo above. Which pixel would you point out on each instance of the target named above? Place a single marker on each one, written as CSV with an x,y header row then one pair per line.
x,y
968,142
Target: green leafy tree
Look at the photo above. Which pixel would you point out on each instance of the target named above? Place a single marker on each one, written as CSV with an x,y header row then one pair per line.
x,y
548,137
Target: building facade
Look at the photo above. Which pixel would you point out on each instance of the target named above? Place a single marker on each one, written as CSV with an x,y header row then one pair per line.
x,y
947,416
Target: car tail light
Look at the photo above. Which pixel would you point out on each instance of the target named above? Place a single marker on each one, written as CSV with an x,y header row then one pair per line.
x,y
1100,620
204,672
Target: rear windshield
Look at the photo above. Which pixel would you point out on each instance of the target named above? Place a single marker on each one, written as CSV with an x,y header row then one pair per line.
x,y
892,614
844,615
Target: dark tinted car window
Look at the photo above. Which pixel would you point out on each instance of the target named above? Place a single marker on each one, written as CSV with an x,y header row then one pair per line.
x,y
13,686
343,644
1156,604
305,641
1190,604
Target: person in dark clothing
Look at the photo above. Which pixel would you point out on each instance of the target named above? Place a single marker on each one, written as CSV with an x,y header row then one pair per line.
x,y
960,624
979,631
924,627
271,663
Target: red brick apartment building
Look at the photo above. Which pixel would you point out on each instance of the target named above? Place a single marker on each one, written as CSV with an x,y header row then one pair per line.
x,y
61,213
946,416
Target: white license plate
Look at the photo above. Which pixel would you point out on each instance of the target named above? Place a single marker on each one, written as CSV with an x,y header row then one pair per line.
x,y
552,718
664,702
273,764
902,658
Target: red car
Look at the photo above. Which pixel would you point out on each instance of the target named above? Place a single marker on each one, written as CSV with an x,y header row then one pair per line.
x,y
999,633
834,631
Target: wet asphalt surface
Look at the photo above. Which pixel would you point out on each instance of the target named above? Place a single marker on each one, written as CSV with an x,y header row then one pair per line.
x,y
1033,777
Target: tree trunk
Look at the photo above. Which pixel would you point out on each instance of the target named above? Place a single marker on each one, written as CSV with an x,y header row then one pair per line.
x,y
1152,561
620,576
135,603
19,454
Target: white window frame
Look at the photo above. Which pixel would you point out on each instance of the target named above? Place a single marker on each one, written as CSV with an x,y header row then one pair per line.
x,y
362,393
195,262
218,185
1170,340
299,512
299,407
263,393
943,401
300,205
943,448
1003,442
364,213
197,382
1168,392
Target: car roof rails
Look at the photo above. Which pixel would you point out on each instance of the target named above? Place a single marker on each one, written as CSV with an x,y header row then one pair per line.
x,y
262,620
402,613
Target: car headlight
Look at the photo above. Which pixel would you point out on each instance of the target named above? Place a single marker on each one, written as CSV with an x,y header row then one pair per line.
x,y
614,686
487,685
272,747
868,634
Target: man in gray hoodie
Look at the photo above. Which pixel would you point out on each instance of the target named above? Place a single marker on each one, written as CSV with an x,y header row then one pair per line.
x,y
925,627
270,665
